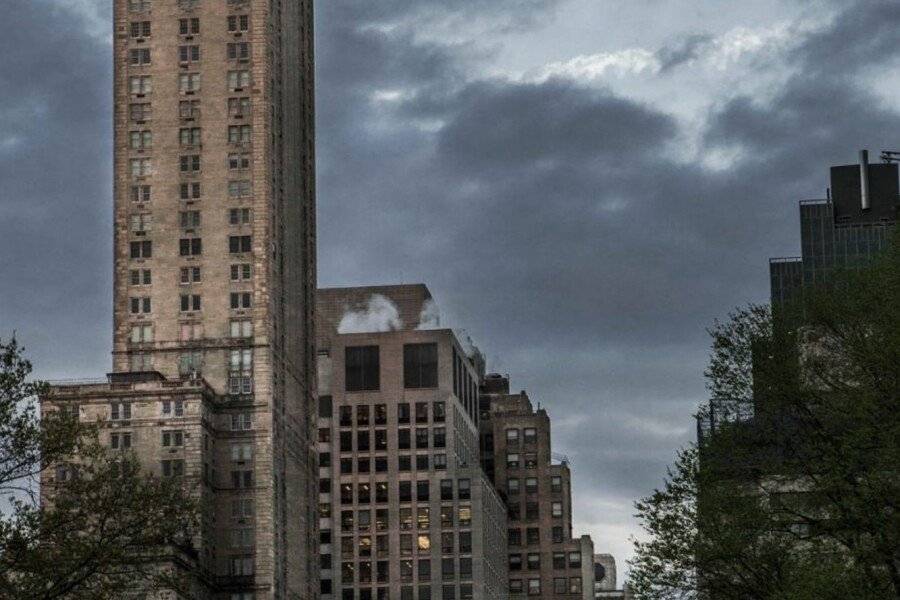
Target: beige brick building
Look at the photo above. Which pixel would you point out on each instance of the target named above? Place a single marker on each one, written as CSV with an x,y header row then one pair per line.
x,y
214,279
406,512
545,559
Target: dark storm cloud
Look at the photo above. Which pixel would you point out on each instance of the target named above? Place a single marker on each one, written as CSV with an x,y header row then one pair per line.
x,y
55,198
559,224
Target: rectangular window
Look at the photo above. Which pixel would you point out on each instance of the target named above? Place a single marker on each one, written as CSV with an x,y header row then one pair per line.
x,y
190,190
556,510
141,167
189,109
239,160
560,585
141,277
534,561
533,536
120,440
464,489
142,249
189,163
531,485
140,57
190,302
534,587
189,219
189,26
557,534
191,331
440,462
530,436
141,333
239,216
420,365
239,189
241,272
141,223
514,537
240,300
239,134
241,329
515,562
238,23
239,107
238,50
171,439
242,422
362,368
421,437
172,468
440,437
238,80
574,560
439,412
188,83
140,84
556,484
140,112
140,305
189,53
190,246
403,413
190,275
512,460
139,5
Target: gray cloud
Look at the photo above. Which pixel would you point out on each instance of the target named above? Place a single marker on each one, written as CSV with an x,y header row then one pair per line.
x,y
555,222
683,51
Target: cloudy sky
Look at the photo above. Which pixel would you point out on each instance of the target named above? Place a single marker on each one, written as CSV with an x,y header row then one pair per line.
x,y
584,184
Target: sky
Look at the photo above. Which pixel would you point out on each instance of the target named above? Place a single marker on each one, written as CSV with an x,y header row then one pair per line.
x,y
584,185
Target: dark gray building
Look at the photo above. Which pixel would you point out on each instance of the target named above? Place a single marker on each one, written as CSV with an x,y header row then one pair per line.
x,y
844,230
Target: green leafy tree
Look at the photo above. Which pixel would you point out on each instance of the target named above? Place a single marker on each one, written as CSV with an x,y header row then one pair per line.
x,y
793,490
97,534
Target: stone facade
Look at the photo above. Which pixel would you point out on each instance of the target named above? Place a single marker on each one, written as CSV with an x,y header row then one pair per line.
x,y
406,512
545,559
214,273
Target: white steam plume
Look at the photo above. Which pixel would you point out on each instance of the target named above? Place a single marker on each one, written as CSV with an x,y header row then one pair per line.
x,y
379,315
430,316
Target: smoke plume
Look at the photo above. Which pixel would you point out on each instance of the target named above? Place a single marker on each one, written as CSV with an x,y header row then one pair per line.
x,y
378,315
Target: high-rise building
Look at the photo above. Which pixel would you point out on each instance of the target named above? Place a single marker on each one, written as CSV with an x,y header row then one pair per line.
x,y
406,513
842,231
213,375
545,560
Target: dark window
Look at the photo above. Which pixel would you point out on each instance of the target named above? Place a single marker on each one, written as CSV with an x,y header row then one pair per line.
x,y
403,412
446,489
405,491
363,464
465,542
514,537
420,365
421,462
421,437
346,416
362,368
403,439
239,243
381,464
404,462
421,412
324,459
381,442
422,490
439,412
381,489
346,466
533,536
557,534
346,441
362,441
325,407
362,415
381,414
190,246
464,489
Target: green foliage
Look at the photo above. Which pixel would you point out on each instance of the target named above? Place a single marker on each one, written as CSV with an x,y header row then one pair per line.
x,y
94,535
793,491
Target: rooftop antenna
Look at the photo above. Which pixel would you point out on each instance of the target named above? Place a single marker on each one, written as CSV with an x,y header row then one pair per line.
x,y
890,156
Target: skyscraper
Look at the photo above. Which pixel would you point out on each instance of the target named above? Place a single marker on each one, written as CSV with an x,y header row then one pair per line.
x,y
213,373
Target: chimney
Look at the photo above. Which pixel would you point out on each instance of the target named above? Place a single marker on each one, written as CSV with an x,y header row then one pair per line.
x,y
864,179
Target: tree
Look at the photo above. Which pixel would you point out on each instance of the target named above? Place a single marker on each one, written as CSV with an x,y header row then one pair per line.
x,y
96,534
792,491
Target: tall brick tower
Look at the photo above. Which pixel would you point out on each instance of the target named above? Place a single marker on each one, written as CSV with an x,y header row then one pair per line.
x,y
215,279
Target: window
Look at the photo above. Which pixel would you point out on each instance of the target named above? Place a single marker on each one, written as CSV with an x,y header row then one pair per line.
x,y
448,568
440,437
560,585
512,437
190,246
421,462
534,587
574,560
406,544
465,516
515,562
239,189
189,275
557,534
141,333
556,484
241,452
514,511
240,300
515,586
440,462
533,536
556,510
244,422
381,465
512,486
403,439
362,368
140,140
238,244
239,216
139,5
465,542
189,163
514,537
422,490
532,511
423,543
141,167
241,272
512,461
190,219
241,329
238,80
172,468
424,574
238,23
575,585
190,53
464,491
534,561
140,84
190,363
189,26
120,440
242,508
420,365
403,413
139,57
381,442
241,360
363,465
531,461
188,83
421,437
421,412
140,361
190,191
448,592
381,489
346,416
141,223
531,485
242,479
189,109
190,302
439,413
405,491
239,134
172,438
140,112
142,249
238,50
238,107
530,436
140,305
141,277
140,193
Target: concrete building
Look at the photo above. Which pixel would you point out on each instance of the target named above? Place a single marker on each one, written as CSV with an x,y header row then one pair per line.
x,y
213,376
545,559
406,512
605,579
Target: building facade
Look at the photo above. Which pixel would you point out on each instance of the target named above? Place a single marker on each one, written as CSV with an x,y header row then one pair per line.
x,y
214,279
406,512
545,559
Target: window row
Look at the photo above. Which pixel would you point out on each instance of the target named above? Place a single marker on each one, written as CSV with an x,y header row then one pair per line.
x,y
561,560
533,536
364,464
142,305
532,511
237,244
190,164
140,277
186,26
378,414
167,408
423,592
362,367
187,137
361,520
425,438
361,572
528,436
514,485
187,53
